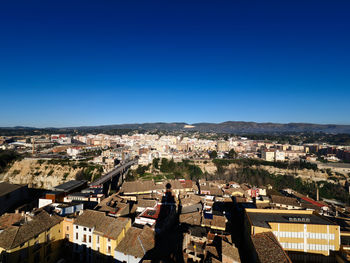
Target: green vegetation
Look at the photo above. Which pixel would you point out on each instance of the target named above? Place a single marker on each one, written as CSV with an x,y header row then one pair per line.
x,y
50,173
37,173
231,154
90,172
141,169
261,177
15,172
6,158
168,170
213,154
297,138
250,162
40,162
155,163
65,176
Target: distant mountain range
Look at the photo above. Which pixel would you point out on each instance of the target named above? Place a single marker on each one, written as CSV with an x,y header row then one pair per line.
x,y
235,127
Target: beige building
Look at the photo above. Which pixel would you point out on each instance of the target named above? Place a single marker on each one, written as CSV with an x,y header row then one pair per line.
x,y
223,146
268,155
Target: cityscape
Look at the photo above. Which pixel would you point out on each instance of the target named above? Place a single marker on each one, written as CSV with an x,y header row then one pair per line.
x,y
174,131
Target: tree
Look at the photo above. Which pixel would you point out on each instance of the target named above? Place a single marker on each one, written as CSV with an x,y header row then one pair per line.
x,y
155,163
213,154
232,154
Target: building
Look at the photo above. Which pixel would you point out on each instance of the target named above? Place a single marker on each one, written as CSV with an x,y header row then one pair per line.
x,y
31,238
268,155
273,155
95,231
12,195
135,245
284,202
71,186
296,230
223,146
266,249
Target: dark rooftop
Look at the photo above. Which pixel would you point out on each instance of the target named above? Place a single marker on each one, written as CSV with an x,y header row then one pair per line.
x,y
6,188
69,186
262,219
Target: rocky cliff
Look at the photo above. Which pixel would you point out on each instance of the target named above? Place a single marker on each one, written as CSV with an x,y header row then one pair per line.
x,y
43,174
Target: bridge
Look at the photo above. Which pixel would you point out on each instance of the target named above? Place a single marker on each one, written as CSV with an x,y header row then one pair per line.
x,y
113,178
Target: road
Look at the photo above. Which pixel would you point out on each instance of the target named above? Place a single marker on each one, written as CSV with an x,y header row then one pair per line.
x,y
108,176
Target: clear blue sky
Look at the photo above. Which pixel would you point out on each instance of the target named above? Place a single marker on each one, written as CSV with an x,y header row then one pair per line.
x,y
71,63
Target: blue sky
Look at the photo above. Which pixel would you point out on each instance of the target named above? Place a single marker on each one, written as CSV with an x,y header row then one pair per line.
x,y
71,63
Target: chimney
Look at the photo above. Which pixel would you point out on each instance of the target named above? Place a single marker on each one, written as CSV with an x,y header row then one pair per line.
x,y
317,194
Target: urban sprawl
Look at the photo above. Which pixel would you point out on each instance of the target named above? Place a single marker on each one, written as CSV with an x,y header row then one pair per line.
x,y
186,197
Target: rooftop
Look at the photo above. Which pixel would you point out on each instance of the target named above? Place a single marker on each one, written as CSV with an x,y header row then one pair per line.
x,y
15,235
268,249
262,217
69,186
6,188
105,225
137,241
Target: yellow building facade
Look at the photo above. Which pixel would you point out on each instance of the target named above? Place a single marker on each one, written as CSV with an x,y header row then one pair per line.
x,y
105,244
300,231
34,244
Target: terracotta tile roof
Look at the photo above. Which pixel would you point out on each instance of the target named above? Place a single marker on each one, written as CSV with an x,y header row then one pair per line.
x,y
212,250
194,219
7,220
175,184
138,186
268,249
276,199
137,241
187,183
191,200
13,236
146,202
102,224
230,251
217,221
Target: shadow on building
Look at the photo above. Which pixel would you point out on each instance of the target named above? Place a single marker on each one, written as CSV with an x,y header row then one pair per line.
x,y
168,232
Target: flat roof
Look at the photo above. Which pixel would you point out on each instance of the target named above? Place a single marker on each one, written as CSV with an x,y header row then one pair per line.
x,y
69,185
262,219
6,188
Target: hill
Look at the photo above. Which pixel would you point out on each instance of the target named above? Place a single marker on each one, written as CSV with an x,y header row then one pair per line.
x,y
234,127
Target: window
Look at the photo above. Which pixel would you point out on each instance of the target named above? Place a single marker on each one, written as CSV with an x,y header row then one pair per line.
x,y
67,228
76,236
76,227
84,228
109,240
89,229
89,239
98,239
109,250
84,238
